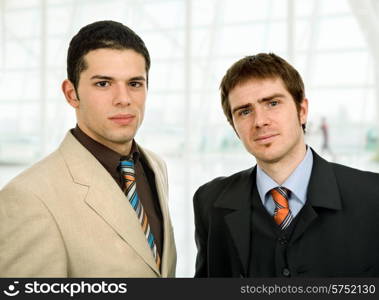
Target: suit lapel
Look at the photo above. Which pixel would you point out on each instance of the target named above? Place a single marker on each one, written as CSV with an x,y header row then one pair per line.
x,y
237,197
322,193
168,251
105,197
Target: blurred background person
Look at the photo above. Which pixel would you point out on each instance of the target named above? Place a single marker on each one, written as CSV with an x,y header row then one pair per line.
x,y
325,147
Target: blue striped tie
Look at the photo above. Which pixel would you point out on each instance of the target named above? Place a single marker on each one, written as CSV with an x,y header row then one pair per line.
x,y
128,172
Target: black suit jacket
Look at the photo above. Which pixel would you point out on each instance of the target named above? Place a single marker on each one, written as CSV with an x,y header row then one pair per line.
x,y
337,234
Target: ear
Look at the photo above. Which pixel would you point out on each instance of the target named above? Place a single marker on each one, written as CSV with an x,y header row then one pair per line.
x,y
303,113
70,93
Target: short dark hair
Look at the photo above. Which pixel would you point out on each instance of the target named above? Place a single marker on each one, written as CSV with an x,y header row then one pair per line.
x,y
261,66
97,35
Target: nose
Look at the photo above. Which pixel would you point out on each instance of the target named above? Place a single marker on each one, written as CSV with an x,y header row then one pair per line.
x,y
121,95
261,118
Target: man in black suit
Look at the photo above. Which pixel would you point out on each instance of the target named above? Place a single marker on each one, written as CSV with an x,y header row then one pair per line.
x,y
294,214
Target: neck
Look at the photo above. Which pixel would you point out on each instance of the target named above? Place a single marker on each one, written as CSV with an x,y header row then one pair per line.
x,y
281,169
122,149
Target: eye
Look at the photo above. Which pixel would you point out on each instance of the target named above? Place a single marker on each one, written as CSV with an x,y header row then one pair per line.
x,y
136,84
244,112
273,103
102,83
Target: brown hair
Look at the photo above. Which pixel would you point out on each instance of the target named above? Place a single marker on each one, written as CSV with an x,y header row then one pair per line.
x,y
261,66
98,35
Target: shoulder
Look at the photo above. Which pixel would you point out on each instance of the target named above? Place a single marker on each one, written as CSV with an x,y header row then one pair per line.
x,y
211,190
344,170
355,179
154,161
151,156
37,175
156,164
222,182
25,195
50,169
347,178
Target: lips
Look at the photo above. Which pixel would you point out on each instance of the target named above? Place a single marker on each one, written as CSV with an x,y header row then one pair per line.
x,y
265,138
122,119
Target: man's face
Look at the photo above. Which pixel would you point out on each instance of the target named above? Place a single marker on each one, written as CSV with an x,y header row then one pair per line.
x,y
111,97
267,121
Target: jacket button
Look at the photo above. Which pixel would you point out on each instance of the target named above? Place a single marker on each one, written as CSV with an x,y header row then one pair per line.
x,y
286,272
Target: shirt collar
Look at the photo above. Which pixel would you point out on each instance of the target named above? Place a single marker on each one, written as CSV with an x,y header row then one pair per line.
x,y
107,157
297,182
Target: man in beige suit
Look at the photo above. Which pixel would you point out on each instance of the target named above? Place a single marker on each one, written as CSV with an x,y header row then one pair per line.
x,y
77,213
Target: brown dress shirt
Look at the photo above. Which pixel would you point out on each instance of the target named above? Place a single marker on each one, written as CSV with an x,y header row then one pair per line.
x,y
145,179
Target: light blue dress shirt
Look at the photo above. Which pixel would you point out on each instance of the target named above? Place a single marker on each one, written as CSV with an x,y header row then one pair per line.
x,y
297,183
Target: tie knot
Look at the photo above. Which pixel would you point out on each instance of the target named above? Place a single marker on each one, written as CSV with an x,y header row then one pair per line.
x,y
280,196
283,191
127,166
282,213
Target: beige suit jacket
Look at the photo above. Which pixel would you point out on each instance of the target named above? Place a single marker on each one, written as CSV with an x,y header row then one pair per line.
x,y
66,217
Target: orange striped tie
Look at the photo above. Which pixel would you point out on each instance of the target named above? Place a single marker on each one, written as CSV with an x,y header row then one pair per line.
x,y
282,213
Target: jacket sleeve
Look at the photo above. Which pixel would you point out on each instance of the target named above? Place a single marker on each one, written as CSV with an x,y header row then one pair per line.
x,y
201,237
31,244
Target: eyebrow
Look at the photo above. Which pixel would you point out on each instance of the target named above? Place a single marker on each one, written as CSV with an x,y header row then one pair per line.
x,y
265,99
104,77
276,95
241,107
